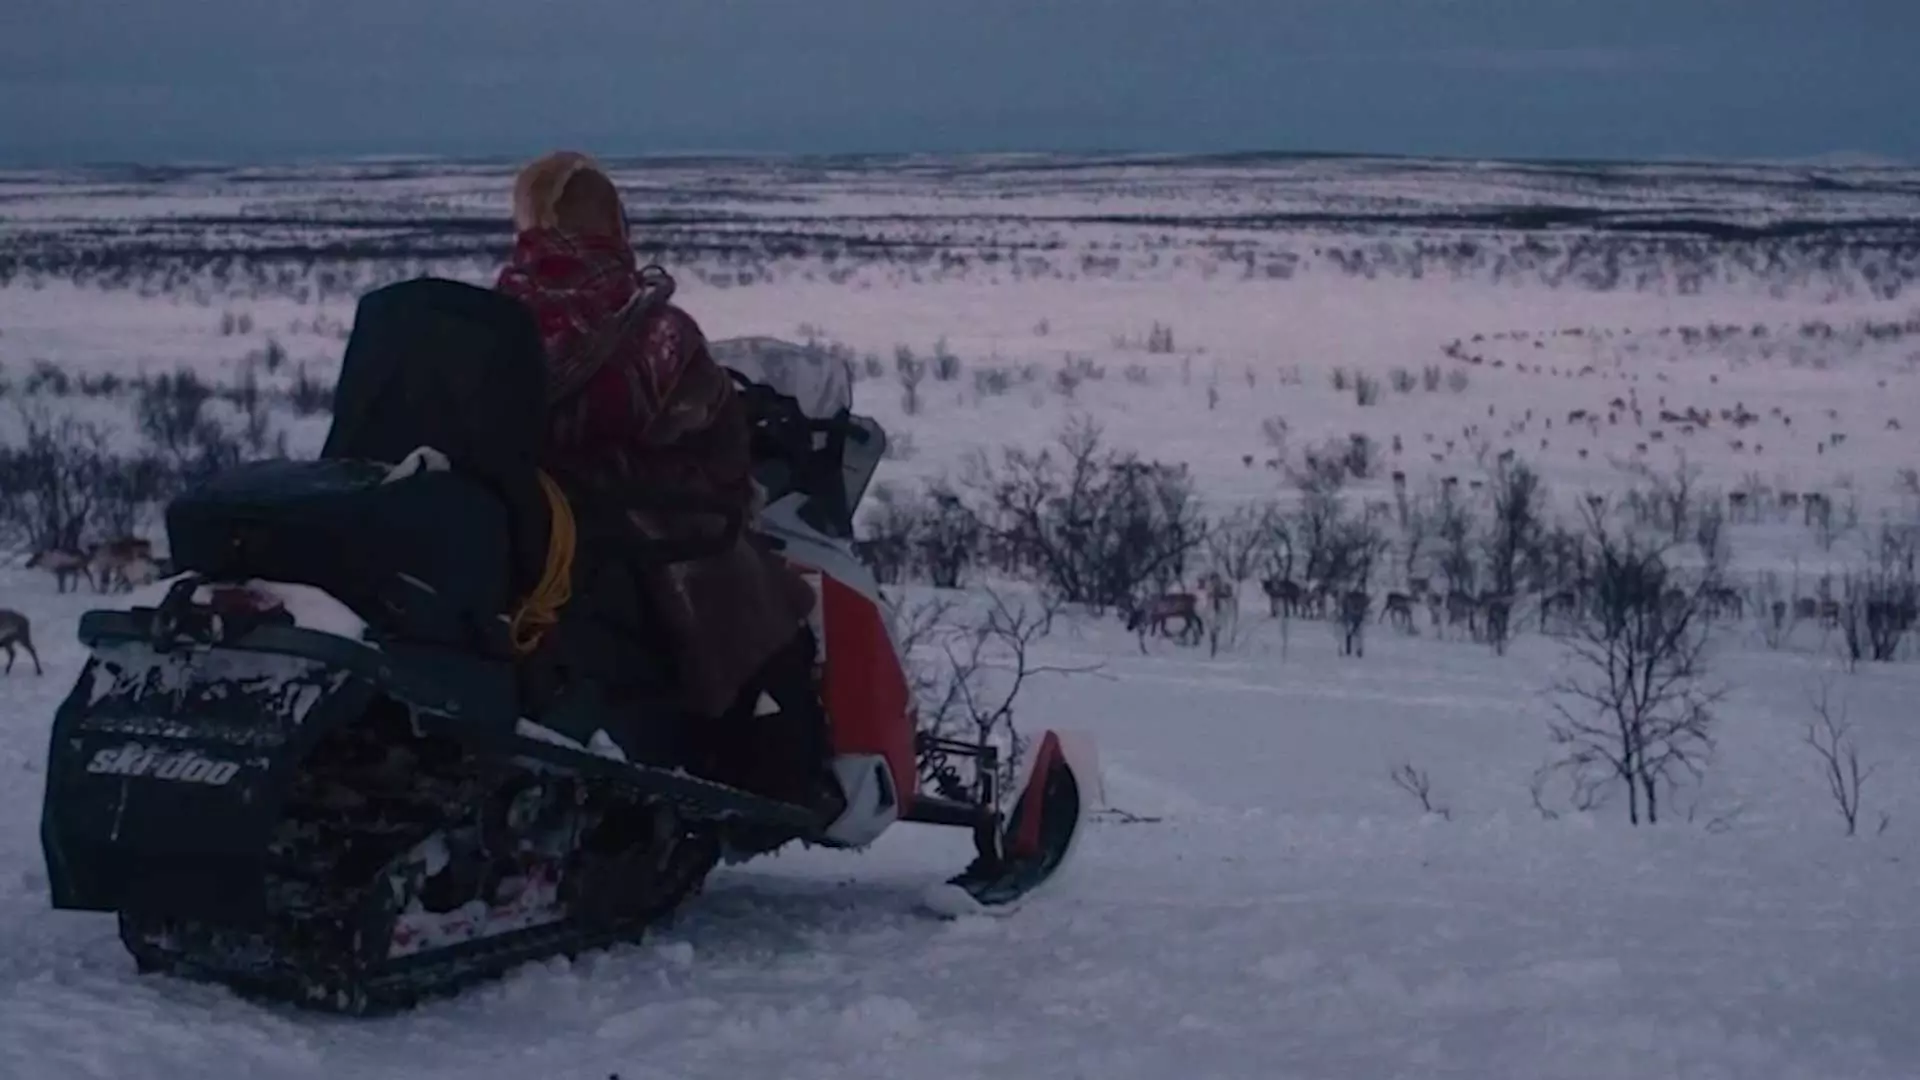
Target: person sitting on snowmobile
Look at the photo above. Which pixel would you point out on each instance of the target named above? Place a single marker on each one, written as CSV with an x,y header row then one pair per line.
x,y
639,405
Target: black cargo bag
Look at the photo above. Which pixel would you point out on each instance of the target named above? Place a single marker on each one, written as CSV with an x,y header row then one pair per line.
x,y
423,558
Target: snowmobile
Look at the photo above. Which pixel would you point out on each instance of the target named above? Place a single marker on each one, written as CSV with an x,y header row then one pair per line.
x,y
321,765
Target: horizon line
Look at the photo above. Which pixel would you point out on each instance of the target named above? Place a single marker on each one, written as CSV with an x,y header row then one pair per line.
x,y
1832,159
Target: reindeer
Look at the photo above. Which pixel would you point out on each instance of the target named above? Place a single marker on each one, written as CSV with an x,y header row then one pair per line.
x,y
1156,613
1398,607
1220,594
15,631
1830,613
1777,613
1565,603
1498,609
1283,596
1319,600
64,565
1725,602
1354,605
115,562
1463,608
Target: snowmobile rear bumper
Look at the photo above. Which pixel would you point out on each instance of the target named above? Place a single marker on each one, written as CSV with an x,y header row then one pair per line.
x,y
171,757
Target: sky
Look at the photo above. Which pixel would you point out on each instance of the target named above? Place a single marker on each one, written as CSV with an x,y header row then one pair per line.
x,y
260,80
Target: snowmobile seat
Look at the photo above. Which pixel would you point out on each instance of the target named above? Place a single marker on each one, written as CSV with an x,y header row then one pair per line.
x,y
459,368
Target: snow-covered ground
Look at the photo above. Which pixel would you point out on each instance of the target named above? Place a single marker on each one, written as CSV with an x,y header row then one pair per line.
x,y
1282,911
1259,899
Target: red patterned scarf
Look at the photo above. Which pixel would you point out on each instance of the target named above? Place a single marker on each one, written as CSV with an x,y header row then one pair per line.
x,y
574,283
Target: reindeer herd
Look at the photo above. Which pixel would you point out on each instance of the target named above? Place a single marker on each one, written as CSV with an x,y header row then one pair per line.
x,y
1483,614
1486,616
117,565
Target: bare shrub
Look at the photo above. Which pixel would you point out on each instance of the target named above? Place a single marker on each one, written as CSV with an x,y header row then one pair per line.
x,y
1160,339
1273,431
171,409
948,538
1366,389
1457,380
46,378
127,489
1453,528
1097,524
1402,380
945,365
1074,372
1667,501
1830,523
931,534
1830,737
1418,784
1353,549
974,694
1709,533
1430,377
50,481
901,447
1238,544
308,396
1513,540
912,371
888,527
105,385
1360,456
1880,604
1634,706
1241,541
991,381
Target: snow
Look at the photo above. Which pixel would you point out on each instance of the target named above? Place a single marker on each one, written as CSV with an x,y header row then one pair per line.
x,y
1288,913
312,608
1255,899
599,744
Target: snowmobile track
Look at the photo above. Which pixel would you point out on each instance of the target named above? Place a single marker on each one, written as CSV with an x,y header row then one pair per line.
x,y
340,878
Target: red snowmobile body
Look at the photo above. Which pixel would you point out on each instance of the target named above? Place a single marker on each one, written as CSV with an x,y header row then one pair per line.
x,y
864,681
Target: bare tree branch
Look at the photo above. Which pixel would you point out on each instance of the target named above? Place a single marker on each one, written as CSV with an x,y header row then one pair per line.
x,y
1418,784
1831,738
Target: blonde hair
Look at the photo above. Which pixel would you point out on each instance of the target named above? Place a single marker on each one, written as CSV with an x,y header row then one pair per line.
x,y
567,190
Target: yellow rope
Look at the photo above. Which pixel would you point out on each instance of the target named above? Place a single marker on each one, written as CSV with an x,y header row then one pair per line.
x,y
540,611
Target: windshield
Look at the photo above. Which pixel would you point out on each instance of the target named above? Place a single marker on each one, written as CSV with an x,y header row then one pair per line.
x,y
821,384
813,376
